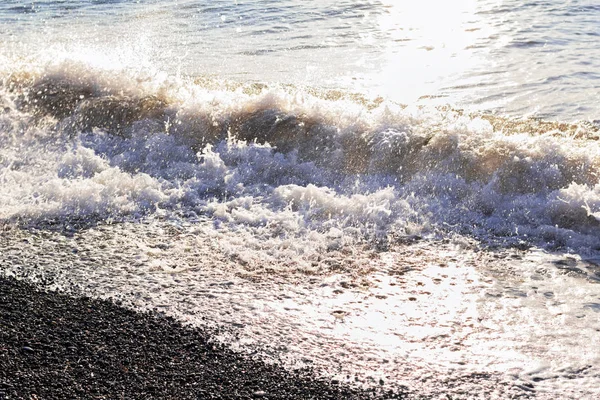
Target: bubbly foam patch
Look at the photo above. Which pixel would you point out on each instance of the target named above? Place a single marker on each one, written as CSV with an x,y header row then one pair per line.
x,y
91,142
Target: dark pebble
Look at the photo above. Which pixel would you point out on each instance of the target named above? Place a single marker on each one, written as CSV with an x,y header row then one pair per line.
x,y
96,349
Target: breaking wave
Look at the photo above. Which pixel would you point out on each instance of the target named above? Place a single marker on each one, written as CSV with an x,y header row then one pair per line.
x,y
78,142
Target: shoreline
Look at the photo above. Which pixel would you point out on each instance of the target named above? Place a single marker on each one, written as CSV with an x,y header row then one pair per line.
x,y
56,346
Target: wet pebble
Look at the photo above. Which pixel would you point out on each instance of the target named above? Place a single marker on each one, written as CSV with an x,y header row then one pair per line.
x,y
96,349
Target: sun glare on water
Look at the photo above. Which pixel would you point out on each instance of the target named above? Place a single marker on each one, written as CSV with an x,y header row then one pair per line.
x,y
429,43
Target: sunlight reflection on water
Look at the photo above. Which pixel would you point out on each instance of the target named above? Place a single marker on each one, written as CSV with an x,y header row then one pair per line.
x,y
489,55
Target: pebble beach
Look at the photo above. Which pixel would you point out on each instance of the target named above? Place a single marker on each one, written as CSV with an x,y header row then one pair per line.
x,y
53,346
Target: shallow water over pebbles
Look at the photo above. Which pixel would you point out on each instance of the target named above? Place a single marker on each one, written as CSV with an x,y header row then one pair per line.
x,y
438,317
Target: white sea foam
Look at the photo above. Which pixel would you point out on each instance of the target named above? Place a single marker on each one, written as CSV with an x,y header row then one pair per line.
x,y
85,141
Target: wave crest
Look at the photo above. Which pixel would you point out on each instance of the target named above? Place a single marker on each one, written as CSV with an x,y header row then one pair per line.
x,y
330,161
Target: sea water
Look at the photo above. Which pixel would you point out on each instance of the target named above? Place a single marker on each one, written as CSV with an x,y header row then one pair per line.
x,y
412,189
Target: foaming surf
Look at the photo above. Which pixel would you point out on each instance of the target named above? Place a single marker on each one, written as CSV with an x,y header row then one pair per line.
x,y
290,160
416,244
